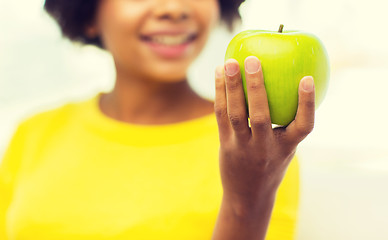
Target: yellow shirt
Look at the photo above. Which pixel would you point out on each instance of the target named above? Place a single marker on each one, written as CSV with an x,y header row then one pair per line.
x,y
73,173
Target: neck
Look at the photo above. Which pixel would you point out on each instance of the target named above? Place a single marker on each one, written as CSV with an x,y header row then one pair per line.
x,y
142,101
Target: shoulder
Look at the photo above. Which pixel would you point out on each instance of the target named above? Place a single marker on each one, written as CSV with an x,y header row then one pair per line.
x,y
54,115
37,131
44,121
47,120
37,128
45,117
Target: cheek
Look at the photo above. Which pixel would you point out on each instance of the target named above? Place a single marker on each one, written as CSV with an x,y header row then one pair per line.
x,y
208,16
209,13
118,24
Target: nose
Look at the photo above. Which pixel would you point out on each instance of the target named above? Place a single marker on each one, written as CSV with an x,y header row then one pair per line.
x,y
175,10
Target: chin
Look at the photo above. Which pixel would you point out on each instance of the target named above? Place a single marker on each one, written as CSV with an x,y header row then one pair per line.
x,y
176,73
170,78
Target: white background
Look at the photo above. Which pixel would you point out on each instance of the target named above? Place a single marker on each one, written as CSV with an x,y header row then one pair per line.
x,y
344,162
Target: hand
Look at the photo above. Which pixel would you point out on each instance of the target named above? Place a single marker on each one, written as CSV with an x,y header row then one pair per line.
x,y
254,159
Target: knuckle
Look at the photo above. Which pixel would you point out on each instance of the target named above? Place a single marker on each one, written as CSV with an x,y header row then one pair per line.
x,y
255,86
235,120
309,104
233,84
220,111
259,119
305,129
219,85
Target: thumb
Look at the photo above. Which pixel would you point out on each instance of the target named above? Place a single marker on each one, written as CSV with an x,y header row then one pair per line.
x,y
303,123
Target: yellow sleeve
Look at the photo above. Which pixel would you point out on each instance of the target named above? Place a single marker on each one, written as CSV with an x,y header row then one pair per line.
x,y
9,167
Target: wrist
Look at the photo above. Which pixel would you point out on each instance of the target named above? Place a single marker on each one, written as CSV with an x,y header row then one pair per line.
x,y
247,206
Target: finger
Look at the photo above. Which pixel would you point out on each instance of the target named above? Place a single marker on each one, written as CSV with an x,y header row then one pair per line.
x,y
235,99
220,106
303,123
259,115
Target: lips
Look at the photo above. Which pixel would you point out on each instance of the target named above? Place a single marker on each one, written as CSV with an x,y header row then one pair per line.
x,y
169,44
169,39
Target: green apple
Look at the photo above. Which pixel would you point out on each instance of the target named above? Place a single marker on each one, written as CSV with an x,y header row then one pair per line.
x,y
286,57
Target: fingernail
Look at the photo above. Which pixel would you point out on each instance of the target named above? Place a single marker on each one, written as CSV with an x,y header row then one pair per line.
x,y
219,72
308,84
252,64
231,68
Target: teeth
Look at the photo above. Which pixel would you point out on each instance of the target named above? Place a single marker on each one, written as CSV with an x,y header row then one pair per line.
x,y
170,40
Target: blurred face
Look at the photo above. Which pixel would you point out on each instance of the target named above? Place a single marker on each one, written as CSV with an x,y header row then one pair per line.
x,y
155,39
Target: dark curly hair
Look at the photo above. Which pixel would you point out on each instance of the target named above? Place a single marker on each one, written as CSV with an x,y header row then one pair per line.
x,y
74,15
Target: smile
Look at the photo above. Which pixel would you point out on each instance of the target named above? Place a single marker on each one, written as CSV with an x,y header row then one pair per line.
x,y
170,40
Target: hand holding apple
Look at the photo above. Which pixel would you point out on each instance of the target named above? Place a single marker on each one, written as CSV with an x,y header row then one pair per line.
x,y
253,160
286,57
277,88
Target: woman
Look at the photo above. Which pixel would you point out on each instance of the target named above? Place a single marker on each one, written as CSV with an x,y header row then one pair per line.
x,y
151,159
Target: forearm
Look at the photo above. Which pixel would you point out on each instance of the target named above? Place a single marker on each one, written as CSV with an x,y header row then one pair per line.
x,y
244,220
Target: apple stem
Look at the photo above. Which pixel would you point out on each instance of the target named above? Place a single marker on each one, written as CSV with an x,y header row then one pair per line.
x,y
281,28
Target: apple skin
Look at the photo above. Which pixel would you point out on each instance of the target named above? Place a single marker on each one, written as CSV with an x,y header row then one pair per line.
x,y
285,59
